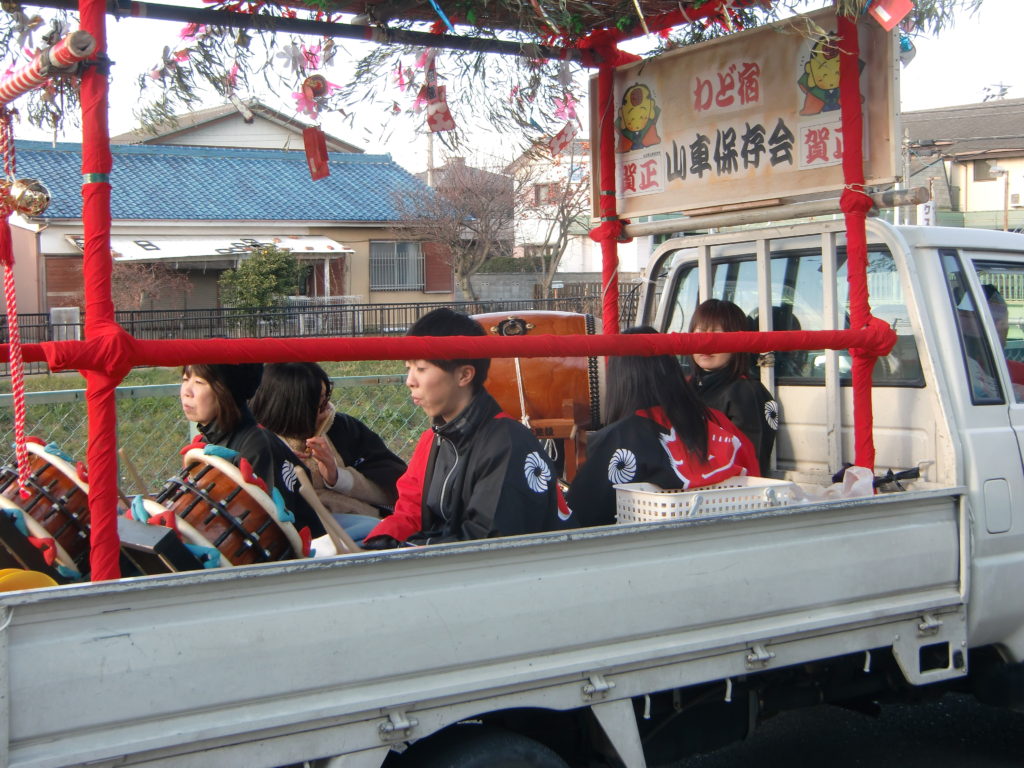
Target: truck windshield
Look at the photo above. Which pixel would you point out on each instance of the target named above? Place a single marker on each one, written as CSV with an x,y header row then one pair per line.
x,y
798,304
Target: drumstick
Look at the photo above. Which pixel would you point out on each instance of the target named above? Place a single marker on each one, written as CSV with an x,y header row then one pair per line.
x,y
342,541
132,472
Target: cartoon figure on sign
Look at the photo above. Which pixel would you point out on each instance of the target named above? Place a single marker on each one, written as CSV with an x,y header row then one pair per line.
x,y
820,79
638,118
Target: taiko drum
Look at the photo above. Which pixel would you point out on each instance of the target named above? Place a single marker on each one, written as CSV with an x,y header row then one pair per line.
x,y
549,387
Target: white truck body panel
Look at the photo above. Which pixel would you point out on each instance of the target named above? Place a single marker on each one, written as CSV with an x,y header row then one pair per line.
x,y
275,661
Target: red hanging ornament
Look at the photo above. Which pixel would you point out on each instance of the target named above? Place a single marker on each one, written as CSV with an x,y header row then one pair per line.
x,y
315,143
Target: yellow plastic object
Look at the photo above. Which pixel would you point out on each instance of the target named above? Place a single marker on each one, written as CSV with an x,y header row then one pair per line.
x,y
13,579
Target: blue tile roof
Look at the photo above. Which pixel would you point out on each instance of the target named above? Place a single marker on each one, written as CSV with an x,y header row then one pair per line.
x,y
214,183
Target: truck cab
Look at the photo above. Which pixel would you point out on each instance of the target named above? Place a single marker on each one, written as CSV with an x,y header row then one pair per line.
x,y
947,401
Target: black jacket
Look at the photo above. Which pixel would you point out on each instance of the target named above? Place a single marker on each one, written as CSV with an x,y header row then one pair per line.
x,y
747,403
477,476
272,461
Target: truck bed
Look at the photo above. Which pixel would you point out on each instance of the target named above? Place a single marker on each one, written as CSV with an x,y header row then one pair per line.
x,y
268,665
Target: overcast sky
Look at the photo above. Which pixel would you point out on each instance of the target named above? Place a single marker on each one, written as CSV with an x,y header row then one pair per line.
x,y
982,51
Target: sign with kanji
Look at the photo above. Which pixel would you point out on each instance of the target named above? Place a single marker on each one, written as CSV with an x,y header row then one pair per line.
x,y
749,117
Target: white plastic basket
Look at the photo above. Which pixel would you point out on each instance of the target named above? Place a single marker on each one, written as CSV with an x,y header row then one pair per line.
x,y
644,502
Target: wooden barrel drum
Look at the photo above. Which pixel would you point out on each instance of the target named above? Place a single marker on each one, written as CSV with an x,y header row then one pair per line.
x,y
58,505
217,508
560,395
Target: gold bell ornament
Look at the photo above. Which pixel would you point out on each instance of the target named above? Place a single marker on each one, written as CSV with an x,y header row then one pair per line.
x,y
29,197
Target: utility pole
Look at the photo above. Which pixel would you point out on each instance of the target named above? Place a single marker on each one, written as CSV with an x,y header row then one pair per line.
x,y
1006,200
430,158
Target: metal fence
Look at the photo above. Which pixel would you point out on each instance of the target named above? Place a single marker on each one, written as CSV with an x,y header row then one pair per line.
x,y
152,430
300,320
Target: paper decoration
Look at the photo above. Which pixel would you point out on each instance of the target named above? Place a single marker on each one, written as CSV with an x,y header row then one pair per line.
x,y
315,142
439,117
562,140
565,109
889,13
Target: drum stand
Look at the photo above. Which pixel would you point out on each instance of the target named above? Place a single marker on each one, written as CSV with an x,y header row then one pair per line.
x,y
569,436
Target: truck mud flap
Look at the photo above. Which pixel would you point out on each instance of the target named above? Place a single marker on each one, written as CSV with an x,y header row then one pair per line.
x,y
932,648
618,721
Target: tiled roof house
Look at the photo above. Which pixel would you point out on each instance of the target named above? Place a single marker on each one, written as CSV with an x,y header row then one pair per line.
x,y
249,123
972,158
195,208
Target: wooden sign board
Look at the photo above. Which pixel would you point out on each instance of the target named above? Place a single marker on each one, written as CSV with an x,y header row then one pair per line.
x,y
748,118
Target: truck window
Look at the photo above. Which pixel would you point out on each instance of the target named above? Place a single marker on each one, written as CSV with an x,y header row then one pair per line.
x,y
979,364
1002,284
798,304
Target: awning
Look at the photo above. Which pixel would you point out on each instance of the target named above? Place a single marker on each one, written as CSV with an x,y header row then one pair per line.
x,y
134,248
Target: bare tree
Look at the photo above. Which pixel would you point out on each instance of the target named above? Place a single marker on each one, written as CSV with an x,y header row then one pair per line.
x,y
469,213
556,204
132,283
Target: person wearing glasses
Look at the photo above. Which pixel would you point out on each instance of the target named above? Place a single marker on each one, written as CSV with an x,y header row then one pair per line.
x,y
353,471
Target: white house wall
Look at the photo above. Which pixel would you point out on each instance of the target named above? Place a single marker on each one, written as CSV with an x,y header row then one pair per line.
x,y
260,134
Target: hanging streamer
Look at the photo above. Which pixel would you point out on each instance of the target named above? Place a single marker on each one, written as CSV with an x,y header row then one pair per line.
x,y
13,332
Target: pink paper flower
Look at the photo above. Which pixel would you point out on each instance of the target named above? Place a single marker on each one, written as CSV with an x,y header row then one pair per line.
x,y
305,105
565,109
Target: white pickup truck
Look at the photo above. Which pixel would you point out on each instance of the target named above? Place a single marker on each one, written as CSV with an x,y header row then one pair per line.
x,y
627,645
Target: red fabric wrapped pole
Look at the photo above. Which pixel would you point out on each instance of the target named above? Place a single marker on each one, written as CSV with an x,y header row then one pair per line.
x,y
855,204
120,350
609,232
101,376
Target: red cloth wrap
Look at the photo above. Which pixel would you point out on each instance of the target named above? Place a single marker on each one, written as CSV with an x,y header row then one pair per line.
x,y
122,348
855,204
600,45
100,381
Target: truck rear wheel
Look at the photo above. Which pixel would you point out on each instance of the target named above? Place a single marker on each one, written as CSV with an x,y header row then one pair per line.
x,y
471,746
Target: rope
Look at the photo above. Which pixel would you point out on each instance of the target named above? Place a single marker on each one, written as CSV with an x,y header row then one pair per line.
x,y
523,417
16,360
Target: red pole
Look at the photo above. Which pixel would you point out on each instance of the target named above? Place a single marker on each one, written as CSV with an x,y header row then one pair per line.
x,y
606,201
99,308
855,204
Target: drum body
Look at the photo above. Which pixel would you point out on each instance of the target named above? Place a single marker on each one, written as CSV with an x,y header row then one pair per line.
x,y
549,387
216,508
58,507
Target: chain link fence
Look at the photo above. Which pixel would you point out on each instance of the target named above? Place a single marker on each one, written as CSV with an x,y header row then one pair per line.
x,y
152,429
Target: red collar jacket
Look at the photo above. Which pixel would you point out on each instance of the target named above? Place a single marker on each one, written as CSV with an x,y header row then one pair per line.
x,y
645,448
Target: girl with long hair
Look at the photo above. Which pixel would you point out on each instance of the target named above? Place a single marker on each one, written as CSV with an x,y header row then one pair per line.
x,y
658,432
723,381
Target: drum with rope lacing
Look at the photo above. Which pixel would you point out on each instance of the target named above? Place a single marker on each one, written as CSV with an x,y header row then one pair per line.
x,y
559,398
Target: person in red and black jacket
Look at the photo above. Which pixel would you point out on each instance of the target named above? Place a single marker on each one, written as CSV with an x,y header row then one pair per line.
x,y
659,432
476,473
723,380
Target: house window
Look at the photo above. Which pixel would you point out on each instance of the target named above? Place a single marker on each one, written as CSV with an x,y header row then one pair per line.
x,y
396,266
543,193
983,170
